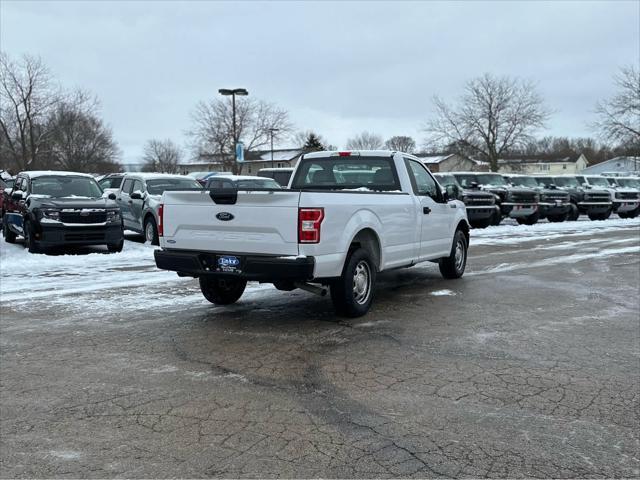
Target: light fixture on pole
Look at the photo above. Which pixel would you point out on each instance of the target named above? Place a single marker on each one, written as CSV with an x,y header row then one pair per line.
x,y
233,92
272,131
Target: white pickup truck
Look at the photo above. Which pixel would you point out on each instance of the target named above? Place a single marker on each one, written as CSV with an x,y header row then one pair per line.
x,y
345,217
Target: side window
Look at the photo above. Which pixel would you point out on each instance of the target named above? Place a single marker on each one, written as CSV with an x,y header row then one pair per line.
x,y
137,185
422,182
126,186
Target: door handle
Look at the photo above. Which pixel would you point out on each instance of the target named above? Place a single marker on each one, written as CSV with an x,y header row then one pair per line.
x,y
426,210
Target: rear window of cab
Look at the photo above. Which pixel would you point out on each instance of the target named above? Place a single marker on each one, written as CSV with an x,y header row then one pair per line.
x,y
347,173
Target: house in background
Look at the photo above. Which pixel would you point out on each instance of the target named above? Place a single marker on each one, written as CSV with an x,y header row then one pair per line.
x,y
623,165
544,165
254,161
451,162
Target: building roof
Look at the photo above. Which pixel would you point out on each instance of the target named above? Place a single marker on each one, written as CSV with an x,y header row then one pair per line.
x,y
434,159
539,159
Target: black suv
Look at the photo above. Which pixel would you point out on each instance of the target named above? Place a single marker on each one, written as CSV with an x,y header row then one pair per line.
x,y
595,203
554,203
61,208
481,206
518,203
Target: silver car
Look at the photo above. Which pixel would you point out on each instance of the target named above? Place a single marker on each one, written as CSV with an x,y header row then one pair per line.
x,y
139,196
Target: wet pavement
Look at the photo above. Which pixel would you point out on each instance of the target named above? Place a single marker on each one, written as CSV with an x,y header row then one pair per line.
x,y
529,366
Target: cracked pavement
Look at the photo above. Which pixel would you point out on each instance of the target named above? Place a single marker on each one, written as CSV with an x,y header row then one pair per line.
x,y
531,369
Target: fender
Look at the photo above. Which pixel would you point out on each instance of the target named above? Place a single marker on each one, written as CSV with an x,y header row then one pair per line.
x,y
359,221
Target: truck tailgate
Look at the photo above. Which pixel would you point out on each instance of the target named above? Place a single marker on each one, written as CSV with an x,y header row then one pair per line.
x,y
263,222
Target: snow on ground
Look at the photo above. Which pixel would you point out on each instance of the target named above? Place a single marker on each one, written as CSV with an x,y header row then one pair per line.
x,y
88,282
512,234
442,293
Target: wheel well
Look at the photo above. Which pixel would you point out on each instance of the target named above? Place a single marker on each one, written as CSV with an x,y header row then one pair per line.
x,y
464,227
368,240
147,217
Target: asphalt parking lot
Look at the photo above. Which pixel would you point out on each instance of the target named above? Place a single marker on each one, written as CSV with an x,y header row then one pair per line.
x,y
529,366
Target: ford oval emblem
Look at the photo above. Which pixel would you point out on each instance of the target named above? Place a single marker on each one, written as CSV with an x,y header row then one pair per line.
x,y
224,216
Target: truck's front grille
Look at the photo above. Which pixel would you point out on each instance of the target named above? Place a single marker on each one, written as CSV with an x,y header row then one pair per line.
x,y
552,197
627,195
79,216
522,197
597,197
479,200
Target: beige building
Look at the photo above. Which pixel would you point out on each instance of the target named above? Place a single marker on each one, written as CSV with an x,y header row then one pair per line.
x,y
551,166
452,162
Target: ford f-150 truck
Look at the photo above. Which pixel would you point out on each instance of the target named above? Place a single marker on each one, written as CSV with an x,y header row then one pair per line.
x,y
345,217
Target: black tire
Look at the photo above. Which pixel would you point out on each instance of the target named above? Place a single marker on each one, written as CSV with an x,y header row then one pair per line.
x,y
454,265
574,213
607,214
9,235
151,231
634,213
624,214
482,223
530,220
496,219
557,218
222,291
29,241
352,293
116,247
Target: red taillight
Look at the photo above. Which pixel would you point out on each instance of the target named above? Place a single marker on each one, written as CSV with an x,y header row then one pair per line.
x,y
160,220
309,220
344,154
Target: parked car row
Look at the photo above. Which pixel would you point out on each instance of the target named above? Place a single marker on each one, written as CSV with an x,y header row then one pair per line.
x,y
529,198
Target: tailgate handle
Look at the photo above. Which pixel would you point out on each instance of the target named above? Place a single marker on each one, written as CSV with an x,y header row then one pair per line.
x,y
224,196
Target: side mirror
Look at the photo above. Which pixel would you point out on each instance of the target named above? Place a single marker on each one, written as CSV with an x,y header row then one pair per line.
x,y
111,196
445,195
137,195
474,185
451,191
17,195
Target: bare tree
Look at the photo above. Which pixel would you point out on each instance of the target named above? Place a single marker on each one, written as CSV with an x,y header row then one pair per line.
x,y
212,130
161,156
27,97
619,116
79,140
365,141
493,116
401,143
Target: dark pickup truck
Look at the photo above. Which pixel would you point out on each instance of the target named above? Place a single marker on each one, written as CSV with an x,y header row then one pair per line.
x,y
51,208
554,203
481,206
595,203
518,203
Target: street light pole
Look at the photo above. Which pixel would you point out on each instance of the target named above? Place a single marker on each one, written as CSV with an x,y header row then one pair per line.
x,y
233,92
271,131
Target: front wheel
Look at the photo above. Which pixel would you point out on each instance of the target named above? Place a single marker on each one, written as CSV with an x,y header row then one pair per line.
x,y
116,247
484,223
29,240
454,265
530,220
222,291
9,236
496,219
557,218
574,213
352,293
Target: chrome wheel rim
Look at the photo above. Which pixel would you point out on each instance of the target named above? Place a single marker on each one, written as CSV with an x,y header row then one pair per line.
x,y
361,283
460,255
149,232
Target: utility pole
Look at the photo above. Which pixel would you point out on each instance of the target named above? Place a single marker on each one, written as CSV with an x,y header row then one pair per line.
x,y
272,131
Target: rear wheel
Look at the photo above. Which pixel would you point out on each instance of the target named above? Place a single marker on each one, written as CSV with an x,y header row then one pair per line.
x,y
352,293
530,220
9,235
151,231
454,265
29,239
222,291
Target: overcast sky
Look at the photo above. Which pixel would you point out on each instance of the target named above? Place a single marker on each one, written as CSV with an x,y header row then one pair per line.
x,y
338,68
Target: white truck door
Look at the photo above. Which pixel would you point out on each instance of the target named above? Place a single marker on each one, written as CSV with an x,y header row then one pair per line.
x,y
435,231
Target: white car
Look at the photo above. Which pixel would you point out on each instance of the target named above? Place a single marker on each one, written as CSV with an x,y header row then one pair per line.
x,y
346,217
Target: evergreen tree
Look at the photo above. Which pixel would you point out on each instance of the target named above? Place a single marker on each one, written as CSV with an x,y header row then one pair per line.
x,y
313,143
